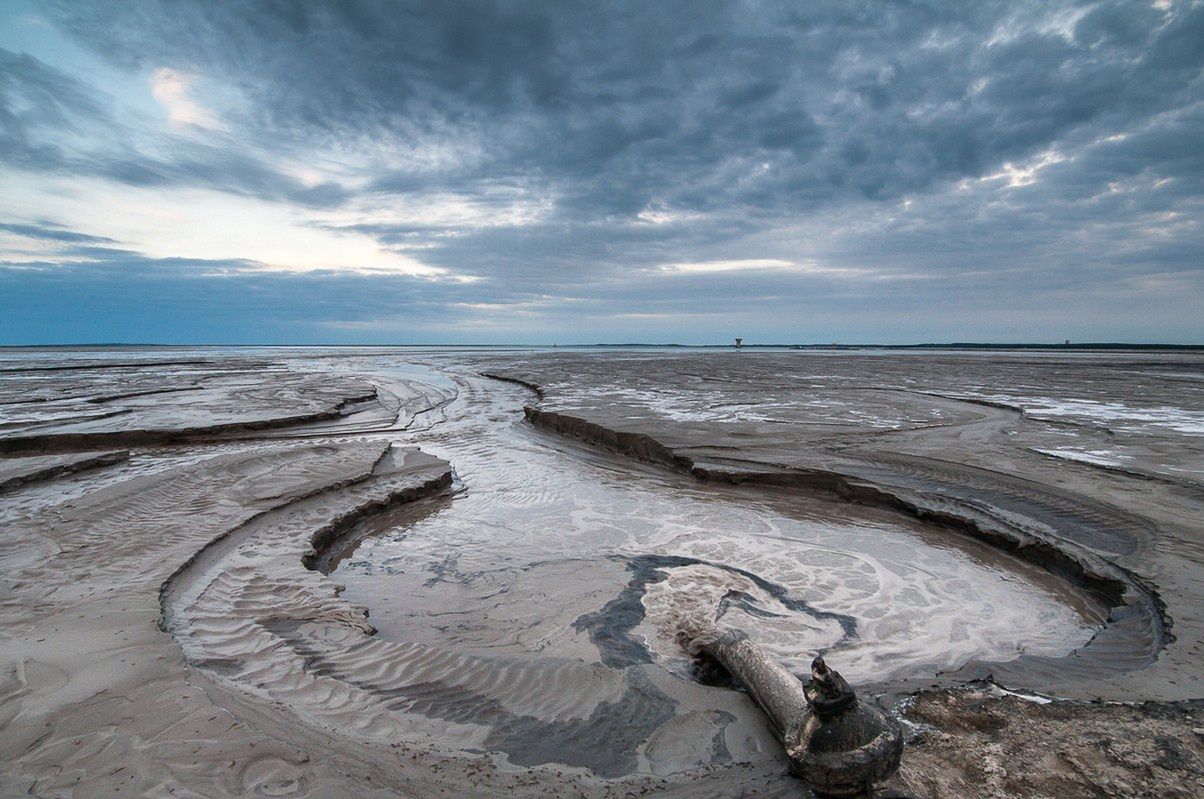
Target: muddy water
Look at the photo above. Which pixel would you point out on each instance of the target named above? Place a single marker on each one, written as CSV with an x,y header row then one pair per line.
x,y
552,550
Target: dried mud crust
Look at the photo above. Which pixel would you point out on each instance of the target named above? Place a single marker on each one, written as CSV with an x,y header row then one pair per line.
x,y
974,743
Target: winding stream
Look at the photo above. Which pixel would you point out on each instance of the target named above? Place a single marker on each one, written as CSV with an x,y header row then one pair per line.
x,y
549,548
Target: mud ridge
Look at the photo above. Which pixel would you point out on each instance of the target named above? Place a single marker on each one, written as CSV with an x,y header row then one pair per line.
x,y
69,442
107,366
636,445
334,530
51,467
516,381
320,538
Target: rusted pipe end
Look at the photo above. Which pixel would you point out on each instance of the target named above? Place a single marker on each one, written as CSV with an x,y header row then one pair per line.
x,y
843,747
836,744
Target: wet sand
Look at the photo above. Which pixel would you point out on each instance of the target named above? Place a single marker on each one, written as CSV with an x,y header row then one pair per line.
x,y
169,625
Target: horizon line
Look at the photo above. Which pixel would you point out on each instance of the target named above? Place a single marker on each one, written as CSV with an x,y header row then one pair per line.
x,y
1087,345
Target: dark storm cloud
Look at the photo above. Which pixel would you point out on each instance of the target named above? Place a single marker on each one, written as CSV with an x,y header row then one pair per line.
x,y
1037,145
617,106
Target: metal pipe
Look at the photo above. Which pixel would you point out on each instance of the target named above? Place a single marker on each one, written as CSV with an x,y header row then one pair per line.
x,y
779,693
836,744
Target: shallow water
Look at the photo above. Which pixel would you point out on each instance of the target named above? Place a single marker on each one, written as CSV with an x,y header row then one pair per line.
x,y
550,549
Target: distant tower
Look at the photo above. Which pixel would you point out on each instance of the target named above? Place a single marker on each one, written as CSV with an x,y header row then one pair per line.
x,y
739,342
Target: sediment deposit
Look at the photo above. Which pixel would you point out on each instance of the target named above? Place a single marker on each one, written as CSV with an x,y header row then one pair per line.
x,y
369,572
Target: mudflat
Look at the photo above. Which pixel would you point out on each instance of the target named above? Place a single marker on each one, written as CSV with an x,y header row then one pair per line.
x,y
384,572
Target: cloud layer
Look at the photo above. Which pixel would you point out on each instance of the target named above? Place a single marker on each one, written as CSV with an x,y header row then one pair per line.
x,y
586,171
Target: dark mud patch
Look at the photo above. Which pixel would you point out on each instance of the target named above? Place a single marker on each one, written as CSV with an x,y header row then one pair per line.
x,y
974,742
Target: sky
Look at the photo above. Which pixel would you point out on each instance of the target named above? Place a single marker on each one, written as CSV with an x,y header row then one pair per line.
x,y
581,172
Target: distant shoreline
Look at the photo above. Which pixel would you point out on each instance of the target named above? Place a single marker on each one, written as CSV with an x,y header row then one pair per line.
x,y
1087,346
